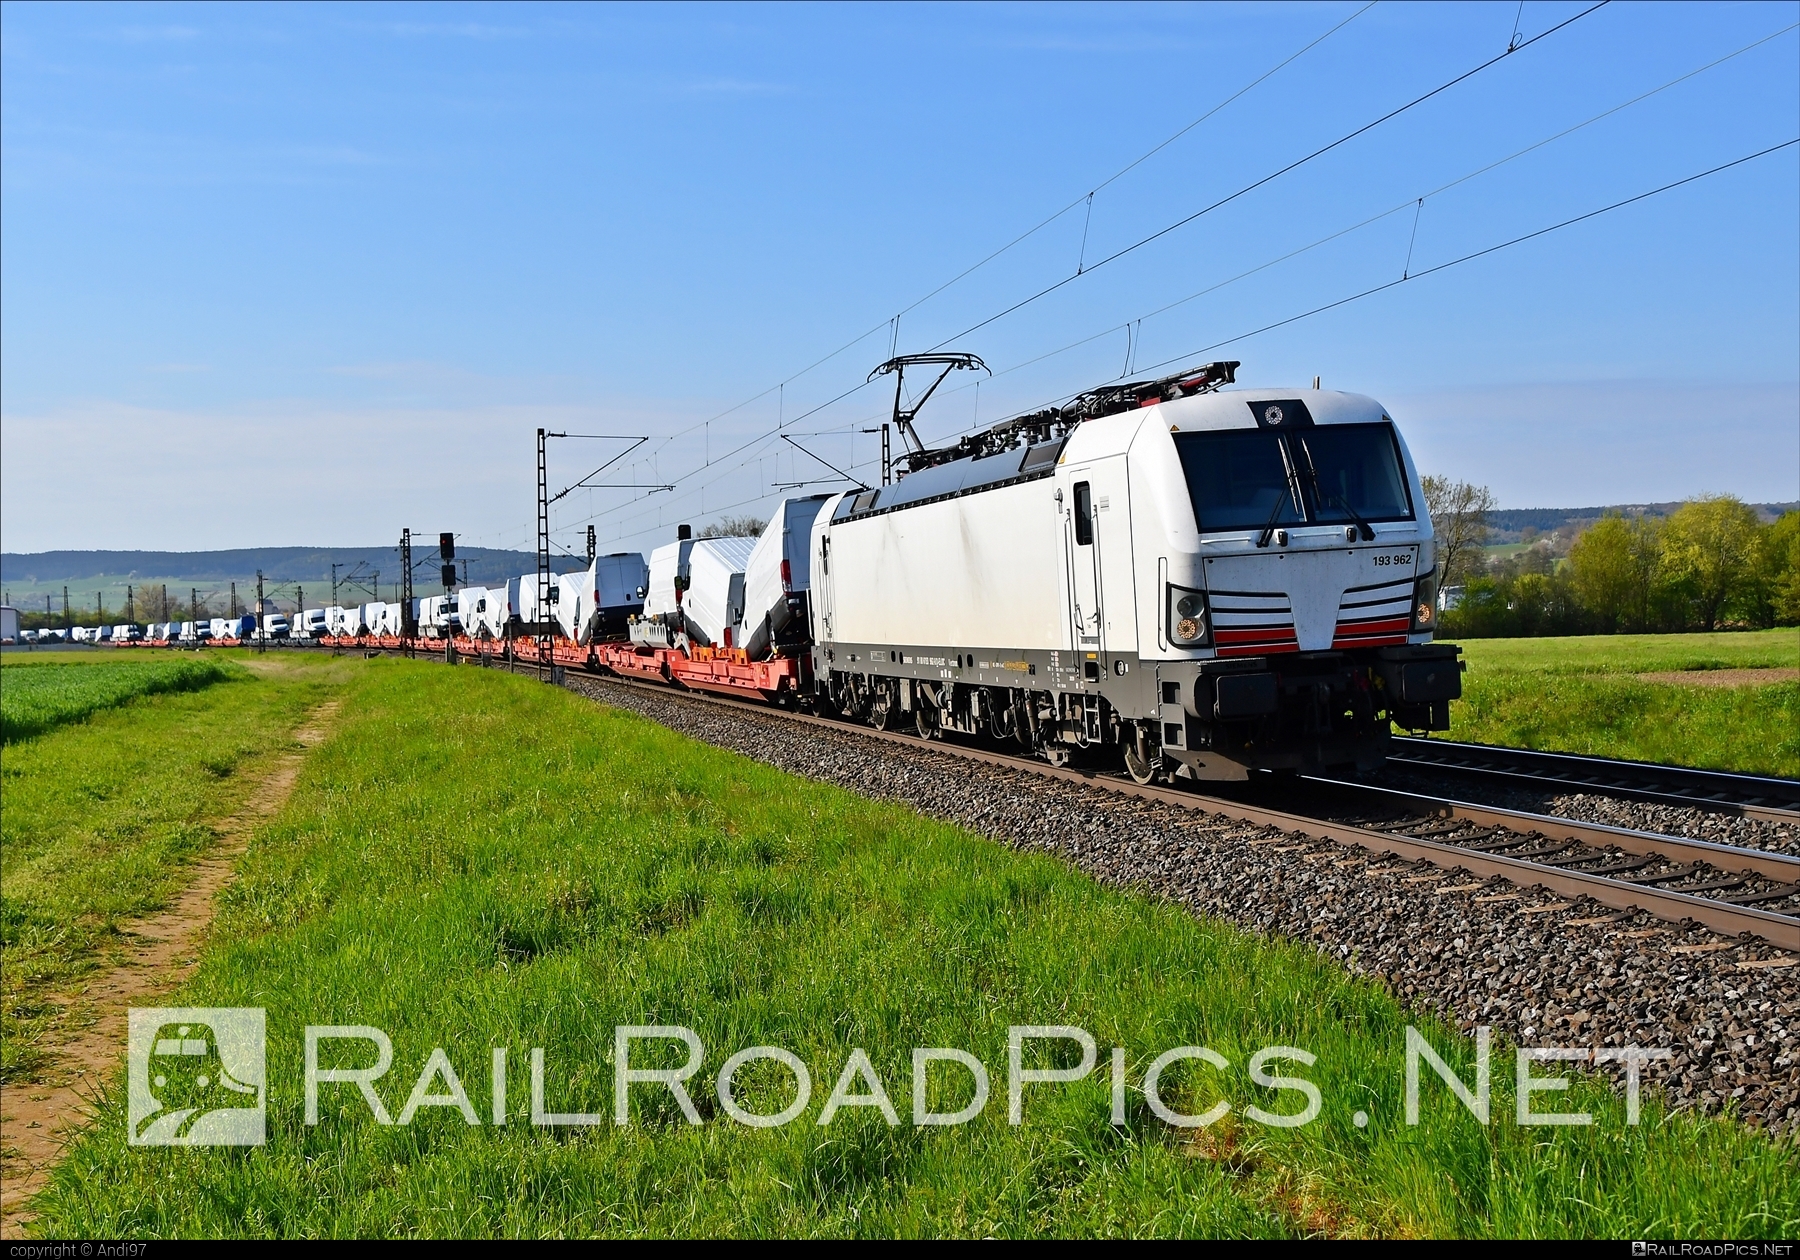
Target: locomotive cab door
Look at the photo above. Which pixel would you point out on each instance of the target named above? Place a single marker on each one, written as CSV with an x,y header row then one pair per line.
x,y
1084,522
1087,625
1097,538
822,604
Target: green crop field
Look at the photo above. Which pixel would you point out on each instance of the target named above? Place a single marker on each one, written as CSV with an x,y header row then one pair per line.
x,y
101,817
475,862
1588,695
37,695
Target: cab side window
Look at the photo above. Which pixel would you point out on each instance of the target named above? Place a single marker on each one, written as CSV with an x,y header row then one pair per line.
x,y
1084,515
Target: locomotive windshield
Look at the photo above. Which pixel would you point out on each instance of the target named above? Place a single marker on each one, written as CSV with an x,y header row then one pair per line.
x,y
1238,479
1358,473
1247,478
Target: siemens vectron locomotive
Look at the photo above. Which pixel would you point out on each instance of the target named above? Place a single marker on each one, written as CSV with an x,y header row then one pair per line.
x,y
1208,582
1197,582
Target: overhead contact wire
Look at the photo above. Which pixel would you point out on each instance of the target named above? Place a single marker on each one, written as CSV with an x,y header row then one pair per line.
x,y
1482,253
892,321
1376,218
1291,166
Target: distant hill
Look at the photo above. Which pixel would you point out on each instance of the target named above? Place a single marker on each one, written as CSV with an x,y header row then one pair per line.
x,y
1508,525
102,577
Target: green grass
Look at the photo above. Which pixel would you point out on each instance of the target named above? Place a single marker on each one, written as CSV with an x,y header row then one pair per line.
x,y
1582,695
1637,653
101,818
37,696
535,870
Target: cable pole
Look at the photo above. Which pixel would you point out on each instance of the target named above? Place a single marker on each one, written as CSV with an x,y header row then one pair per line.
x,y
68,619
407,626
543,556
261,634
130,606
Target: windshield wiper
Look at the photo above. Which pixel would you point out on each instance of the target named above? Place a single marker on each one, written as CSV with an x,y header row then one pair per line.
x,y
1312,471
1262,539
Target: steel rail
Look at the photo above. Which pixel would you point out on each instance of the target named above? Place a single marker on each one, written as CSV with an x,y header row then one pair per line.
x,y
1727,857
1780,930
1755,796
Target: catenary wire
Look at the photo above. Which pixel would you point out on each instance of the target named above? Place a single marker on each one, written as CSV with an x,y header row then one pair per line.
x,y
1491,166
1251,187
970,270
763,438
1456,262
1395,209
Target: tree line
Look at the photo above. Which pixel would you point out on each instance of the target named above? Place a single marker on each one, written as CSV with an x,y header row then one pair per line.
x,y
1712,563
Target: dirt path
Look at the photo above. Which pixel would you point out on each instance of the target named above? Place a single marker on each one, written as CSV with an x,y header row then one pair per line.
x,y
37,1122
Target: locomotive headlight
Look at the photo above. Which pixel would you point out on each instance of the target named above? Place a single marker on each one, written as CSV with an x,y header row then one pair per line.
x,y
1424,617
1188,623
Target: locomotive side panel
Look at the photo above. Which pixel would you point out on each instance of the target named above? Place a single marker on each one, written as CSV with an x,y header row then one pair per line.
x,y
982,570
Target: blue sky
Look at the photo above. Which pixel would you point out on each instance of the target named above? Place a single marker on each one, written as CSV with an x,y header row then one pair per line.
x,y
308,274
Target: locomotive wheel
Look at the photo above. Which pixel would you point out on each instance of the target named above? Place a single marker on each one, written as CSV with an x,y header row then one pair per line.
x,y
881,710
926,719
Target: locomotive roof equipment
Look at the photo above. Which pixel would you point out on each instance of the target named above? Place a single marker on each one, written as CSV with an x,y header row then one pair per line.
x,y
903,416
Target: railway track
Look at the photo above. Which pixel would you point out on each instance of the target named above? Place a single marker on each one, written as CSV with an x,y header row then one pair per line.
x,y
1730,890
1753,796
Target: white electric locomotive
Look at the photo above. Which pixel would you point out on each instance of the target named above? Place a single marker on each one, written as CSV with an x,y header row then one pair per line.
x,y
1207,583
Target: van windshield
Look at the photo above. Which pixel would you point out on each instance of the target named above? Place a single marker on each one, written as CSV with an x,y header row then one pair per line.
x,y
1247,478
